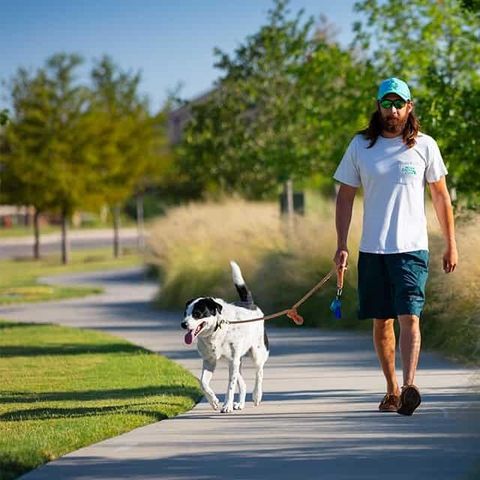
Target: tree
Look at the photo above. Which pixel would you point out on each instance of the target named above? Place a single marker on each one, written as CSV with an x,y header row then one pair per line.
x,y
435,46
69,159
281,111
22,181
129,143
46,164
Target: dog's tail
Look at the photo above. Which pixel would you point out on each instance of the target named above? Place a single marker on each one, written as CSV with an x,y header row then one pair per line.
x,y
242,289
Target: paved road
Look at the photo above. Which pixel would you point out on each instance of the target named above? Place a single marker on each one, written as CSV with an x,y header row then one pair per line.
x,y
22,247
318,419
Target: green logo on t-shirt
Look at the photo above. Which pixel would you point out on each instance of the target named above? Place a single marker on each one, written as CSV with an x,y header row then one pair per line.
x,y
408,170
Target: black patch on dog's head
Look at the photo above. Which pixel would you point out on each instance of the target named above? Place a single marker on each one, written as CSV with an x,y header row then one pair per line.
x,y
206,307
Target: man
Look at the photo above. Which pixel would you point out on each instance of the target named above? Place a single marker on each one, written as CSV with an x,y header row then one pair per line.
x,y
392,161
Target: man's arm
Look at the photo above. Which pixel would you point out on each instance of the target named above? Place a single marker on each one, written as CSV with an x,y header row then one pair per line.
x,y
343,217
443,208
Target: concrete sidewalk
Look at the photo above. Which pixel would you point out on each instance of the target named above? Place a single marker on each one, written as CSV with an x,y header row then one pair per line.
x,y
319,418
55,237
50,243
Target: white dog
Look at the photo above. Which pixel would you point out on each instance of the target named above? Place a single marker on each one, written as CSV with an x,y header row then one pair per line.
x,y
212,322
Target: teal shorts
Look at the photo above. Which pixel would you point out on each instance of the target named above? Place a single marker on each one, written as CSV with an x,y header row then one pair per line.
x,y
391,284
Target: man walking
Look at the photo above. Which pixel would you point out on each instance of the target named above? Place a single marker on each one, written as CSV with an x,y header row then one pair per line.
x,y
392,160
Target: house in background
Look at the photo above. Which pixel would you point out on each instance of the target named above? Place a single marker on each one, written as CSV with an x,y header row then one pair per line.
x,y
178,118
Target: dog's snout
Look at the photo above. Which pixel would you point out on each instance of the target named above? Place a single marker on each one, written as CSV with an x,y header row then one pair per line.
x,y
184,325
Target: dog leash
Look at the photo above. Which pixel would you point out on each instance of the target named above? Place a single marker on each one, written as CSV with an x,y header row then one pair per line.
x,y
292,312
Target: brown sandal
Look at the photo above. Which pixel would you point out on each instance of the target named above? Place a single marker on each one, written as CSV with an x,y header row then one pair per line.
x,y
390,403
410,399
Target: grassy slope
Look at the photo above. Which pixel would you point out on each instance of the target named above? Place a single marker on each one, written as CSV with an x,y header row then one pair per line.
x,y
64,388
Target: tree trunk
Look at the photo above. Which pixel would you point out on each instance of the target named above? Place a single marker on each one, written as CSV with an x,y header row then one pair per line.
x,y
140,224
288,192
36,234
116,231
65,241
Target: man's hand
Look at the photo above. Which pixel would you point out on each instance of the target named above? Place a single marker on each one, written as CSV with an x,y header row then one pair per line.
x,y
340,258
450,259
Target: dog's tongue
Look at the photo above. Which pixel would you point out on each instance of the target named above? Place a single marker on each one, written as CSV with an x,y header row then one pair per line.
x,y
189,338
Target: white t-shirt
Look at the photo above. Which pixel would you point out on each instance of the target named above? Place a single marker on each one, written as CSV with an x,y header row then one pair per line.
x,y
393,178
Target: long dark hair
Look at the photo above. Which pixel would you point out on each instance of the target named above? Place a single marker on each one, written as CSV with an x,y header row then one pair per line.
x,y
374,129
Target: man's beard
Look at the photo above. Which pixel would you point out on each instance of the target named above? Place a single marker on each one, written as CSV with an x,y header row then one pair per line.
x,y
393,124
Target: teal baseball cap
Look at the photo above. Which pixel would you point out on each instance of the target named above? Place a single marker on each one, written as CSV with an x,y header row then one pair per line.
x,y
394,85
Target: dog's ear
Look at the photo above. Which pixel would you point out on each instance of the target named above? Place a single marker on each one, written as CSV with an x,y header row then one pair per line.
x,y
189,302
214,306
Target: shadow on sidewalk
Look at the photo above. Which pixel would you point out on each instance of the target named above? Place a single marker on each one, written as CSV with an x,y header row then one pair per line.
x,y
365,453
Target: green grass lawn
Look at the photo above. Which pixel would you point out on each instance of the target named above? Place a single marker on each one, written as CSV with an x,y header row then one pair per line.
x,y
63,388
18,279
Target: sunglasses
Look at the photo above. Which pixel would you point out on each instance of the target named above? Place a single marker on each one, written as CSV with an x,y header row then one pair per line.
x,y
398,104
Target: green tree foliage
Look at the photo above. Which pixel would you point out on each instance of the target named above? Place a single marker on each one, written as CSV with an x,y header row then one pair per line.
x,y
69,146
45,164
336,89
3,116
282,109
25,181
452,116
131,143
472,5
435,46
71,166
117,116
22,181
128,143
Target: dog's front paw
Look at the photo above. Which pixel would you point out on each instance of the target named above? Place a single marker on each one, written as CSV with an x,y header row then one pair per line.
x,y
238,406
227,408
257,398
215,403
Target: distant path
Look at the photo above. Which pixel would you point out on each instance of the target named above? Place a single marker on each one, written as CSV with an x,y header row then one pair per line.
x,y
319,419
22,247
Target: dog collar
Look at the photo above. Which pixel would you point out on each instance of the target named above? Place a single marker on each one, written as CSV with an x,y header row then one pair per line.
x,y
220,322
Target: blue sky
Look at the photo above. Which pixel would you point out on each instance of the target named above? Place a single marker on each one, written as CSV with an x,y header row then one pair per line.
x,y
168,41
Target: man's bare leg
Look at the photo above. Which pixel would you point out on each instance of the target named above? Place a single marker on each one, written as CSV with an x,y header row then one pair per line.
x,y
384,341
410,340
